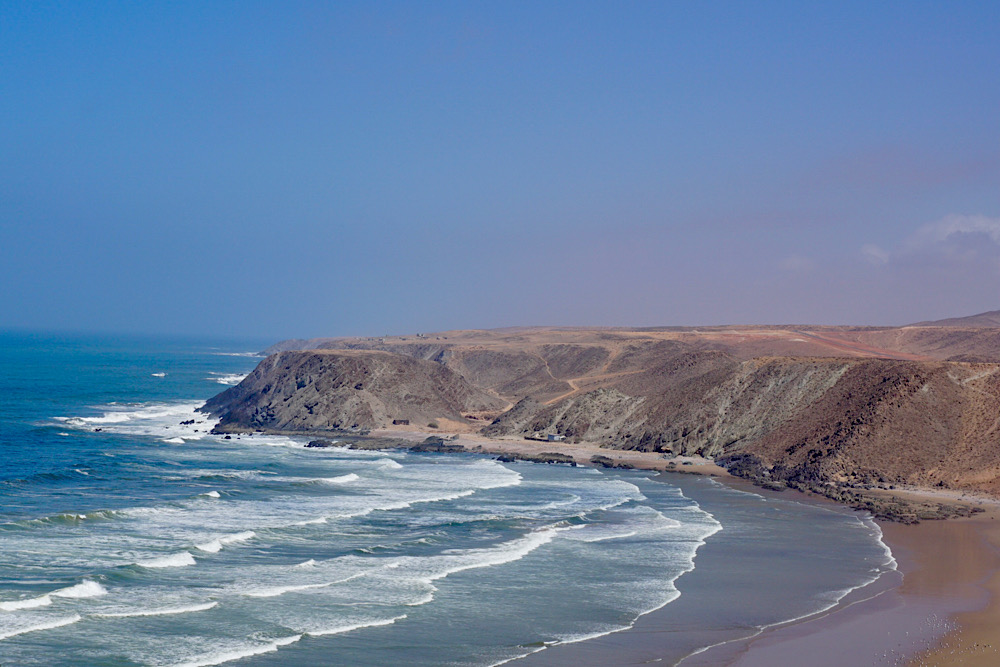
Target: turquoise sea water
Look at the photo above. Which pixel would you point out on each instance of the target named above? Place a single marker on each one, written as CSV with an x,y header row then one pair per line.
x,y
130,536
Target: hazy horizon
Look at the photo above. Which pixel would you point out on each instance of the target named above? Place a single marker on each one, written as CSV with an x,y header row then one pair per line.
x,y
279,171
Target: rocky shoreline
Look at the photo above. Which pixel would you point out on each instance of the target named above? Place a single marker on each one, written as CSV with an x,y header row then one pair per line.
x,y
857,428
907,505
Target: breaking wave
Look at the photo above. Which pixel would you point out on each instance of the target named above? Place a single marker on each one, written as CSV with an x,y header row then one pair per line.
x,y
182,559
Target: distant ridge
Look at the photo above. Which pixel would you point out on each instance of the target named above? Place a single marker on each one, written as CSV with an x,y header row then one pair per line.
x,y
988,319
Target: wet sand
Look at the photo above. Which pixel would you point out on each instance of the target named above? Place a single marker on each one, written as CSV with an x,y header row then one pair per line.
x,y
944,611
960,558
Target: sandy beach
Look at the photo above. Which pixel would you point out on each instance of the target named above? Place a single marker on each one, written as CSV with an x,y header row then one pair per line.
x,y
941,609
582,453
958,559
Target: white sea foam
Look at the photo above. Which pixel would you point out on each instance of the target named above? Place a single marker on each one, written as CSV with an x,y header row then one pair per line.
x,y
342,479
517,657
556,504
734,490
168,611
311,522
595,496
181,559
350,627
248,475
174,441
437,499
216,545
227,378
644,521
28,603
308,563
404,504
439,567
146,419
276,591
573,639
612,536
12,630
84,589
108,418
211,494
426,599
890,559
159,375
281,590
240,653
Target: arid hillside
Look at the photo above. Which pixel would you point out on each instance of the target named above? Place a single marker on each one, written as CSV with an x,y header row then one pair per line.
x,y
327,391
799,405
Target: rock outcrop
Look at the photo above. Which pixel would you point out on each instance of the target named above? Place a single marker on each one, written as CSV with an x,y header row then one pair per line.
x,y
328,390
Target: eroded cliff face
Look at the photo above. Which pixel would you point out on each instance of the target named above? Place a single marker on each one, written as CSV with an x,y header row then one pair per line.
x,y
798,420
803,421
331,390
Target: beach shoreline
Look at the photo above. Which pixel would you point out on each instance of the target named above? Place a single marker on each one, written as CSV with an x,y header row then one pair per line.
x,y
943,611
582,453
943,607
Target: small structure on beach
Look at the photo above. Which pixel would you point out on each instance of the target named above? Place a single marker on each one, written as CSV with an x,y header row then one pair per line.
x,y
400,422
555,437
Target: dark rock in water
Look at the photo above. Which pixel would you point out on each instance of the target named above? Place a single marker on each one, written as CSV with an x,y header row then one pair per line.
x,y
320,443
378,443
607,462
228,437
436,444
187,422
544,457
98,430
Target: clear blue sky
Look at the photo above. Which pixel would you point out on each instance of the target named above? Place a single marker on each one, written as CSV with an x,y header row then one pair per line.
x,y
303,169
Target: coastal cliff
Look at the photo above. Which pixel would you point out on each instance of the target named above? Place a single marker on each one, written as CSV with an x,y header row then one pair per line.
x,y
869,416
332,390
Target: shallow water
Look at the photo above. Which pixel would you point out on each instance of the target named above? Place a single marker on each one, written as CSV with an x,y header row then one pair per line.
x,y
150,542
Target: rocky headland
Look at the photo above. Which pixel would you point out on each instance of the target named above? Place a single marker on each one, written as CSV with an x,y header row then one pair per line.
x,y
852,413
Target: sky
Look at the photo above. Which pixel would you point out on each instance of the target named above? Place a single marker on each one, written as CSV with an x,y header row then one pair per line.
x,y
291,169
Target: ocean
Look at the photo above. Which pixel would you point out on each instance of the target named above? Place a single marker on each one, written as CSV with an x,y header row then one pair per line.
x,y
131,536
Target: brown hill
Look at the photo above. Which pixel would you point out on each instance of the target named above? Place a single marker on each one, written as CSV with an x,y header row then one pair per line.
x,y
799,405
330,390
807,420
